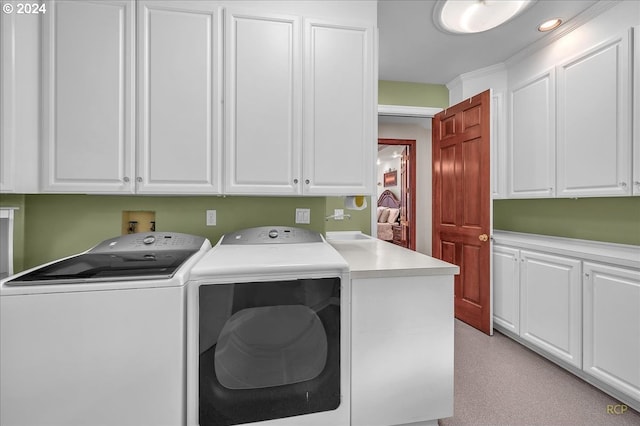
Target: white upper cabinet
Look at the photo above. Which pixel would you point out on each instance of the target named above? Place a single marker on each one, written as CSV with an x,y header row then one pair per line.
x,y
7,124
339,108
274,142
263,77
165,99
531,170
88,108
594,121
179,122
636,108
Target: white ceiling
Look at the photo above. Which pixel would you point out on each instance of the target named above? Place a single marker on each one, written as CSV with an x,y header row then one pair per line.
x,y
412,49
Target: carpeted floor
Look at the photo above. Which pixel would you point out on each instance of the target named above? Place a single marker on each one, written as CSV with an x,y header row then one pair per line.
x,y
500,382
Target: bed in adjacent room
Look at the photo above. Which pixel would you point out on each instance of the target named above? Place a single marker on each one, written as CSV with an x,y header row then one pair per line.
x,y
388,214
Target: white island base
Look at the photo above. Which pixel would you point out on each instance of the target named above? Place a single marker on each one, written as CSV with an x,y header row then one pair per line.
x,y
402,331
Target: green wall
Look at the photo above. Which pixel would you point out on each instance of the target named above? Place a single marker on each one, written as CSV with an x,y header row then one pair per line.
x,y
615,220
49,227
412,94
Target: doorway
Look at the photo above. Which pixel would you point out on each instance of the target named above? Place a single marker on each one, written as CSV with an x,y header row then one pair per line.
x,y
397,175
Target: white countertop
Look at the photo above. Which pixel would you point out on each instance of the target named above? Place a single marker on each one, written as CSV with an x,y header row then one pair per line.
x,y
370,257
617,254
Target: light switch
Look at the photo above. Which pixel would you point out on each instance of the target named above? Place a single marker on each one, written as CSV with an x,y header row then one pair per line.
x,y
338,214
303,216
211,218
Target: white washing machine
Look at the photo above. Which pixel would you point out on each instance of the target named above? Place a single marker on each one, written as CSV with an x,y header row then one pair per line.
x,y
98,338
268,331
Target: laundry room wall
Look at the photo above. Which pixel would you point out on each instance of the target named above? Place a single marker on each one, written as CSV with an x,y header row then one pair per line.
x,y
61,225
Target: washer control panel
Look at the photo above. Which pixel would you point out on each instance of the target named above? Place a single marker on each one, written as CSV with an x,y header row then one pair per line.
x,y
271,235
145,241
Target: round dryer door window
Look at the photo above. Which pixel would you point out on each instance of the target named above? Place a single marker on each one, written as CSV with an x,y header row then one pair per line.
x,y
270,346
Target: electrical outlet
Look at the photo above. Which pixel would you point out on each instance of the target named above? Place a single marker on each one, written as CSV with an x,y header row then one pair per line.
x,y
211,218
303,216
338,214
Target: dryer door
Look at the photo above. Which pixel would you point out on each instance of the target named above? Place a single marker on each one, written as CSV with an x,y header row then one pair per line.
x,y
268,350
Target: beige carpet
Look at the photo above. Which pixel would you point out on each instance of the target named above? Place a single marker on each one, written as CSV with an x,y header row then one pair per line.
x,y
500,382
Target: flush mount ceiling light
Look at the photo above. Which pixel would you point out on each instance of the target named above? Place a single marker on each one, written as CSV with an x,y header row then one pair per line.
x,y
475,16
549,25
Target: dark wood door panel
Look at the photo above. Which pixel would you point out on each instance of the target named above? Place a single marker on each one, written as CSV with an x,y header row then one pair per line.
x,y
461,204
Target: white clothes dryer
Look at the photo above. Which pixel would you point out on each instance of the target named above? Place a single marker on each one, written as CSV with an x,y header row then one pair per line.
x,y
268,331
98,338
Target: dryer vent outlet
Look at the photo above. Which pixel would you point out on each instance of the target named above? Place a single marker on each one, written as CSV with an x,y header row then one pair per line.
x,y
138,221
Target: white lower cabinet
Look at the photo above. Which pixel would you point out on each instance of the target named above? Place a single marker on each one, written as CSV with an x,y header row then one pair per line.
x,y
576,302
612,326
506,288
550,304
401,350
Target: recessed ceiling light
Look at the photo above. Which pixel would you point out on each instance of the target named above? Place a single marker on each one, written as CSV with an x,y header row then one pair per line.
x,y
475,16
549,25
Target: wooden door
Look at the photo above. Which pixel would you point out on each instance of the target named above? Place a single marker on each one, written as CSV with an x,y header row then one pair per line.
x,y
404,199
461,204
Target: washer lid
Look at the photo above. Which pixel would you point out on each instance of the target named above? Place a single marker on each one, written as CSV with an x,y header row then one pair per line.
x,y
145,256
271,235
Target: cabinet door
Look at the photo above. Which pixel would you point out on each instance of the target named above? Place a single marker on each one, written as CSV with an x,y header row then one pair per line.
x,y
7,107
88,107
402,342
636,107
339,108
263,77
551,305
506,288
498,146
612,326
179,115
594,127
532,143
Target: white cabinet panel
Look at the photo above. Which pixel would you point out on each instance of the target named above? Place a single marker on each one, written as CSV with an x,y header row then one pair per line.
x,y
498,146
636,108
551,308
87,96
611,323
532,143
594,127
179,121
506,288
263,77
7,104
406,326
339,108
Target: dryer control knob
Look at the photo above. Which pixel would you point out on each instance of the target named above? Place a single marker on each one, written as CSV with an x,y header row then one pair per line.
x,y
149,240
273,233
